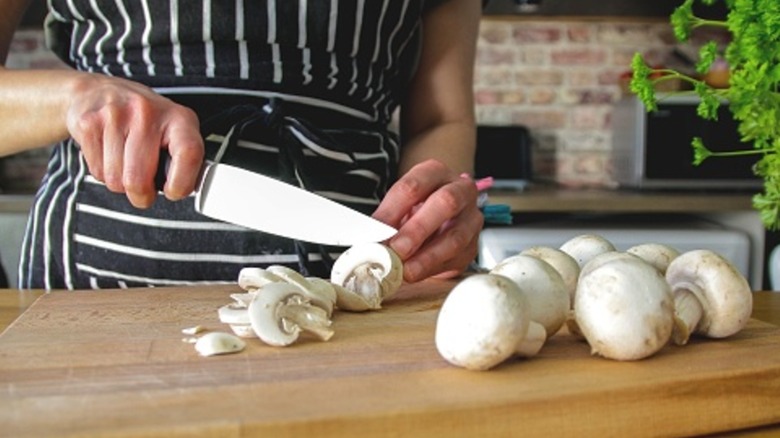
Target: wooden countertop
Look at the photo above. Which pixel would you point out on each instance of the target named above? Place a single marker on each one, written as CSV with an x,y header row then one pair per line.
x,y
110,363
551,199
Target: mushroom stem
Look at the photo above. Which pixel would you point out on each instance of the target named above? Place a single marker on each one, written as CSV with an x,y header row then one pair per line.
x,y
688,313
366,281
533,341
307,318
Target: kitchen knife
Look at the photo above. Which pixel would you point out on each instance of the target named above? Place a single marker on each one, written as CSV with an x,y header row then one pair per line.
x,y
249,199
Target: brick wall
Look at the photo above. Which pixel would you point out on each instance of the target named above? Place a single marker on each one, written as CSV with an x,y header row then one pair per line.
x,y
558,78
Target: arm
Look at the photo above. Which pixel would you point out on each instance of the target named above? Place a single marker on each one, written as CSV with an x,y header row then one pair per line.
x,y
119,124
433,206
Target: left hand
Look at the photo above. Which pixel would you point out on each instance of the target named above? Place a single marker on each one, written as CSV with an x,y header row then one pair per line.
x,y
435,211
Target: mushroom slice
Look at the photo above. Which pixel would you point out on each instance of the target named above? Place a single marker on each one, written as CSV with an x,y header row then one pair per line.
x,y
485,320
711,296
624,307
237,317
371,270
320,295
280,312
251,278
215,343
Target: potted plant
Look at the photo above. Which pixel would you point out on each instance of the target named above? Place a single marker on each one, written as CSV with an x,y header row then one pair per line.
x,y
752,94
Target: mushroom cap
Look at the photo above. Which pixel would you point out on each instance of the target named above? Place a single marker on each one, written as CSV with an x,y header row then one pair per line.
x,y
481,322
378,259
724,293
265,314
586,246
567,267
624,307
548,298
321,295
657,254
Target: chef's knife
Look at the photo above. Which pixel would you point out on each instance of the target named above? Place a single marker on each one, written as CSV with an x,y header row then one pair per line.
x,y
239,196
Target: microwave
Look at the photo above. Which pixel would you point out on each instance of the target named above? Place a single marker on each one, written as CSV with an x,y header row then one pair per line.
x,y
652,150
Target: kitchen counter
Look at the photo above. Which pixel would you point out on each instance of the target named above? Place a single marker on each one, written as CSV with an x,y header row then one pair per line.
x,y
552,199
109,363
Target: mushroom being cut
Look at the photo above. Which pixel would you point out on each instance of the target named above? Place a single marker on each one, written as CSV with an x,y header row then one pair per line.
x,y
711,296
548,298
279,312
586,246
484,321
623,307
371,270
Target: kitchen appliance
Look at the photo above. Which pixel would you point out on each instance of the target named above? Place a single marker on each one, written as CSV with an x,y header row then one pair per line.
x,y
504,153
652,150
253,200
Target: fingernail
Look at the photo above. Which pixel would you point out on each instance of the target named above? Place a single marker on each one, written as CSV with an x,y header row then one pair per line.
x,y
402,245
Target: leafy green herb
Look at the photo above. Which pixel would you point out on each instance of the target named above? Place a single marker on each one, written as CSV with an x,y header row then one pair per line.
x,y
753,95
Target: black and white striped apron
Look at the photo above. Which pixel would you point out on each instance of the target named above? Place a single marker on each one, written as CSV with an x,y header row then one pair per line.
x,y
302,90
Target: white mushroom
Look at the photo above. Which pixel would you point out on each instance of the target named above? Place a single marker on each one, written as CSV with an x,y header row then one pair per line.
x,y
251,278
657,254
547,295
711,296
485,320
586,246
371,270
280,312
215,343
321,295
237,317
623,307
565,264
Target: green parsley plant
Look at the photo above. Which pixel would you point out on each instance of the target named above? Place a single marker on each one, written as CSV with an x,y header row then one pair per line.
x,y
753,95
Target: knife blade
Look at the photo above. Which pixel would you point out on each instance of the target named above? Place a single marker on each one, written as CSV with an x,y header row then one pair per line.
x,y
252,200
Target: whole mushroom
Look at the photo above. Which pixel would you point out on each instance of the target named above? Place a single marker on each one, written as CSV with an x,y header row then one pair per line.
x,y
548,298
565,264
623,307
485,320
586,246
711,296
657,254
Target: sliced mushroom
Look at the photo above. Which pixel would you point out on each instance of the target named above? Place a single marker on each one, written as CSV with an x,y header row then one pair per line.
x,y
237,317
280,312
251,278
371,270
215,343
320,295
711,296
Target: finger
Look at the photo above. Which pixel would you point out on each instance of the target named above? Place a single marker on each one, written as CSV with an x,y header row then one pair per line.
x,y
446,203
87,132
113,145
411,189
185,145
140,157
448,253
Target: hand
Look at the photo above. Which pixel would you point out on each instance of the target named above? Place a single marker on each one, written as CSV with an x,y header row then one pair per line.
x,y
435,211
121,126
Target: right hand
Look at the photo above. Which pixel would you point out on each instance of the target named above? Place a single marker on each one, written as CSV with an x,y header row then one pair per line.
x,y
121,126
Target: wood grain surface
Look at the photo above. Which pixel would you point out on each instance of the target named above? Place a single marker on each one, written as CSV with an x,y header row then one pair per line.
x,y
112,363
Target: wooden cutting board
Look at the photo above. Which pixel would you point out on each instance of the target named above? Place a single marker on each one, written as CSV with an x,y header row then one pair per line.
x,y
112,363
